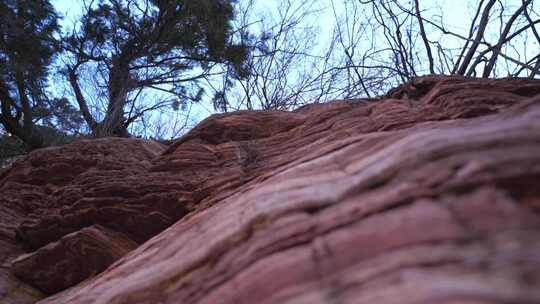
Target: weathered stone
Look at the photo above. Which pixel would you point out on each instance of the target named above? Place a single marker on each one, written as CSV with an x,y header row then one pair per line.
x,y
428,195
35,193
72,259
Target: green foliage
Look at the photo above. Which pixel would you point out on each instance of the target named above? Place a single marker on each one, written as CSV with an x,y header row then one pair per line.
x,y
169,35
165,45
10,146
27,42
54,137
28,45
62,115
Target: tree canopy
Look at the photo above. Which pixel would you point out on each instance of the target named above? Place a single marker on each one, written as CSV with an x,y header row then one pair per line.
x,y
164,45
28,45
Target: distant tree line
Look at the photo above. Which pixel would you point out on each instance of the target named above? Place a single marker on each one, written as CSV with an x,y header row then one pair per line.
x,y
126,64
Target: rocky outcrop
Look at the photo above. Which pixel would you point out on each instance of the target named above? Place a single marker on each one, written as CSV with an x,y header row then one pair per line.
x,y
57,191
72,259
428,195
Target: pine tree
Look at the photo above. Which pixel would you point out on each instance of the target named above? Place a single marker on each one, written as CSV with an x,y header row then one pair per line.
x,y
165,45
27,48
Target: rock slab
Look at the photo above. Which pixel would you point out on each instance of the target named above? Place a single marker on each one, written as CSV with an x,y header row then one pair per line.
x,y
430,194
72,259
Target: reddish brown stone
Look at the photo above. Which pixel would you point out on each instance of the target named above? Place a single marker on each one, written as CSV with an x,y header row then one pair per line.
x,y
428,195
72,259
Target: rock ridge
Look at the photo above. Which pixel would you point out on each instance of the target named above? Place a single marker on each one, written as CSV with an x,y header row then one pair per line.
x,y
429,194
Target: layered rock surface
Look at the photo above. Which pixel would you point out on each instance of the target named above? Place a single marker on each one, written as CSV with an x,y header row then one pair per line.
x,y
428,195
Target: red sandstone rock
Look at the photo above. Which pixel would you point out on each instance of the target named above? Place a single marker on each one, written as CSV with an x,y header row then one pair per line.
x,y
72,259
419,197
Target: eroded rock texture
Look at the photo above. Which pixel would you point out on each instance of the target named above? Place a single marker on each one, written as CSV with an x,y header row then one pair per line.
x,y
428,195
74,258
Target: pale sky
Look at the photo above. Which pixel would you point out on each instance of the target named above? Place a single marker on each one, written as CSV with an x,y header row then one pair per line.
x,y
456,14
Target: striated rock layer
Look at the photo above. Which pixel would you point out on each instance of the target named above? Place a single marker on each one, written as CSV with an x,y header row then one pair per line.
x,y
430,194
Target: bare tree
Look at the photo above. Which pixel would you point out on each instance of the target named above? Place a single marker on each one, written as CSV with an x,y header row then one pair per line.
x,y
390,31
311,51
287,67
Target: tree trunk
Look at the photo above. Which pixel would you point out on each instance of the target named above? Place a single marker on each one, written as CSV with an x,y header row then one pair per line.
x,y
83,106
111,126
20,125
119,86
